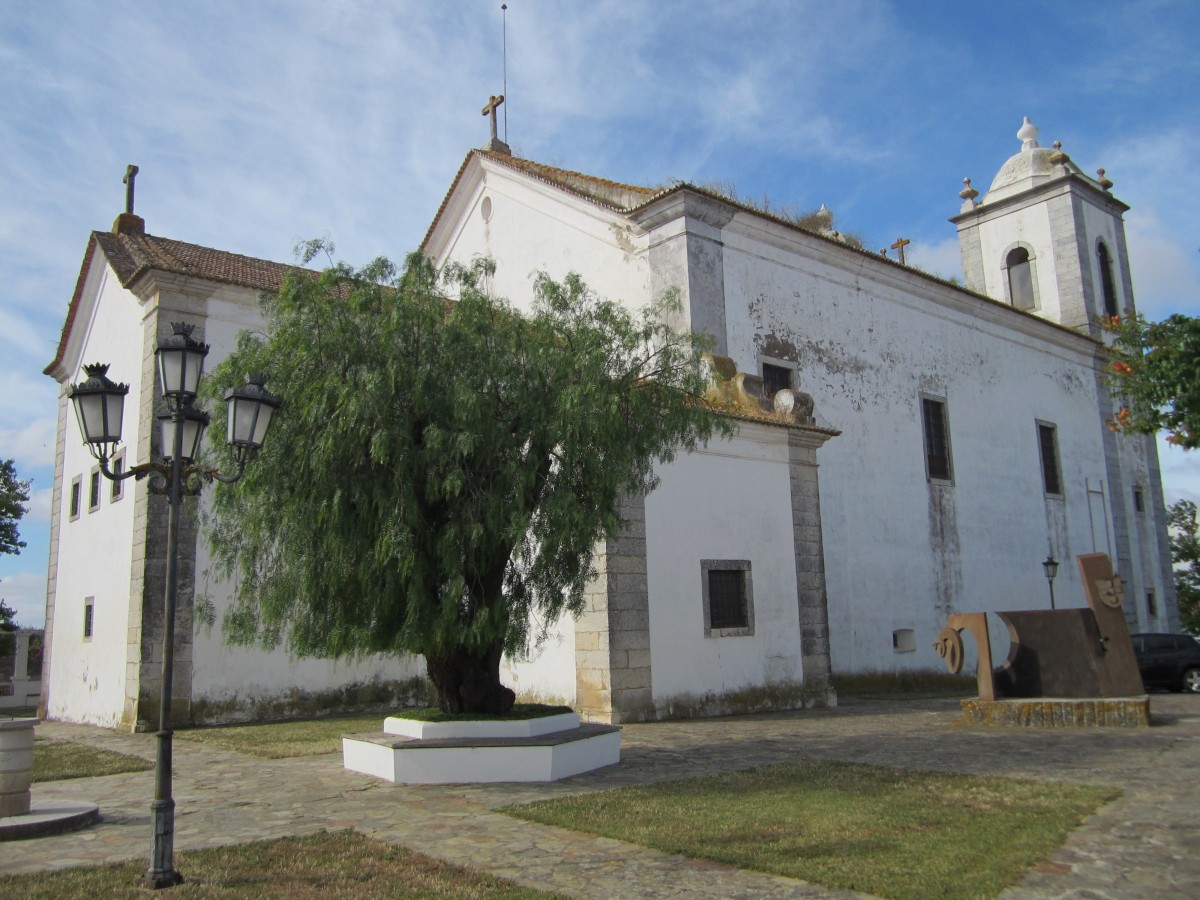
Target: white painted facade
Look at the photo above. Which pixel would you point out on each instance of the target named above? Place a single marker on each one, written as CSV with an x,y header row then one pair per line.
x,y
857,576
100,557
867,339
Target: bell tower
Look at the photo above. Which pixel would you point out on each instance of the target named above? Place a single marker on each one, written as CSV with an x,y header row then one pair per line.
x,y
1046,238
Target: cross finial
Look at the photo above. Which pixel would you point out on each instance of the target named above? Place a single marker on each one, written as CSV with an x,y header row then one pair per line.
x,y
493,104
899,247
130,174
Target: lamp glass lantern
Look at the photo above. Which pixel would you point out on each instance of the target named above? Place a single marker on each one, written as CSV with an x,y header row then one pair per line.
x,y
1050,565
180,362
250,409
193,421
100,408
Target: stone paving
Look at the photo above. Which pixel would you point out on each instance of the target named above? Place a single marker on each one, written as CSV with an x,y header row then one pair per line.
x,y
1146,844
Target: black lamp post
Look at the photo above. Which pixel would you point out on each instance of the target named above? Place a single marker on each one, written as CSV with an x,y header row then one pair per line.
x,y
99,406
1050,565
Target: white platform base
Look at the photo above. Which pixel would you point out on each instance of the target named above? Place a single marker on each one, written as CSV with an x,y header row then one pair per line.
x,y
480,754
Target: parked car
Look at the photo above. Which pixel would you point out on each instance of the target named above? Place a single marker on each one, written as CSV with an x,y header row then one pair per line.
x,y
1171,661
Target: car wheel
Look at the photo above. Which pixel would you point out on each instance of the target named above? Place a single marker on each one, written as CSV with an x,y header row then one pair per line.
x,y
1191,681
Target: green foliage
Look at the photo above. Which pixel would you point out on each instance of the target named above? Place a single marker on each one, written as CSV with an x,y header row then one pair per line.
x,y
1185,553
14,494
441,468
8,624
1155,368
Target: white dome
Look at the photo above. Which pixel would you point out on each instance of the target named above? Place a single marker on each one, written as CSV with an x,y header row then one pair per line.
x,y
1029,166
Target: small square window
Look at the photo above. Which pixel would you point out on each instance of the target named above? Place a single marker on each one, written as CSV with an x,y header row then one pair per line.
x,y
775,379
76,496
89,617
728,597
1048,447
904,640
94,490
937,439
117,467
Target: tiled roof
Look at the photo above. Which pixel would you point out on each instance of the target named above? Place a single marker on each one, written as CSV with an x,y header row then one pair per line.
x,y
133,255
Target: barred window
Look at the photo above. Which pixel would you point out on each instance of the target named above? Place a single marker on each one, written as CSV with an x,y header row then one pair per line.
x,y
937,439
728,597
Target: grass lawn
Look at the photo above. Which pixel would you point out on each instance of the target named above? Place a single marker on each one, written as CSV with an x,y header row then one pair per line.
x,y
892,832
60,760
278,740
323,865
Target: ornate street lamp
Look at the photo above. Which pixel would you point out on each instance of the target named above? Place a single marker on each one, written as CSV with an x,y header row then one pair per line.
x,y
1050,566
99,406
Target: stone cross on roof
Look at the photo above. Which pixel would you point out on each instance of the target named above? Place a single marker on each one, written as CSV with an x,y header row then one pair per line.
x,y
130,174
495,143
899,247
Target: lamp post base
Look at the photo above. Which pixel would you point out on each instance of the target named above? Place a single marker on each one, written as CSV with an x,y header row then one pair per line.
x,y
162,872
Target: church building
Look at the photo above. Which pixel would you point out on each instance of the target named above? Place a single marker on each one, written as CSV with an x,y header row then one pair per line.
x,y
906,448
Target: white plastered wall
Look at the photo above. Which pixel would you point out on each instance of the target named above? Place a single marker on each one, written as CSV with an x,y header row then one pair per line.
x,y
729,501
87,676
869,340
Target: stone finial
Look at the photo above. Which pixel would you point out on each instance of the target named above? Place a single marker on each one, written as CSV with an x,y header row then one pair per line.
x,y
1104,182
968,192
1028,135
1058,158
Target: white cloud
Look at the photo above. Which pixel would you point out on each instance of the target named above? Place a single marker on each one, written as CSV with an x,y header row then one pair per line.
x,y
940,258
38,508
31,445
25,592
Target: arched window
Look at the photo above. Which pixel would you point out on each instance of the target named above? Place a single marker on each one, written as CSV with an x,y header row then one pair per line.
x,y
1020,278
1107,285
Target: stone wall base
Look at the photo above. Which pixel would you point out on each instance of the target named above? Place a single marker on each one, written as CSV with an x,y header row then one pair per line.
x,y
1049,712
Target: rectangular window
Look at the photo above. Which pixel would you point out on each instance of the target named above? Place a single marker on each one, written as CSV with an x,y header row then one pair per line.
x,y
1139,501
1151,604
76,495
775,378
1048,445
89,609
94,491
728,597
904,640
937,439
117,467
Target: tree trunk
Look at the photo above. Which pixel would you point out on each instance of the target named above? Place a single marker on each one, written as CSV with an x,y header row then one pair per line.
x,y
470,684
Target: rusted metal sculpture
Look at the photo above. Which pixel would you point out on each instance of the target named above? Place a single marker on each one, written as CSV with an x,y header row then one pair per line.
x,y
1068,653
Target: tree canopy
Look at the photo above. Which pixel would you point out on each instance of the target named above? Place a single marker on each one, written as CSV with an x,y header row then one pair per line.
x,y
443,465
1155,368
1185,553
14,494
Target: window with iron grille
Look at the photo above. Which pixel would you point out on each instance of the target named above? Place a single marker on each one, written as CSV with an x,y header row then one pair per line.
x,y
1048,445
937,439
89,618
76,495
728,597
117,466
775,378
94,491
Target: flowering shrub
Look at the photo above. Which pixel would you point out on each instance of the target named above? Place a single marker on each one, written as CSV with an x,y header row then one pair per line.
x,y
1154,369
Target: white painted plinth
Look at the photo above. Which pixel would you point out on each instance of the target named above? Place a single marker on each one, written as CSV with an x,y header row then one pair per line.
x,y
484,758
511,728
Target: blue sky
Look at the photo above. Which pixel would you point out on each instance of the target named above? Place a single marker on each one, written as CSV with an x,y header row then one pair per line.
x,y
258,125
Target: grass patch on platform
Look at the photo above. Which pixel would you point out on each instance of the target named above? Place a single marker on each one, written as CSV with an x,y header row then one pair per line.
x,y
280,740
60,760
890,832
905,685
339,864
